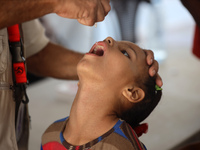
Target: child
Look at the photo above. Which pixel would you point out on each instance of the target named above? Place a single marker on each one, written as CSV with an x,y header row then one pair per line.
x,y
115,93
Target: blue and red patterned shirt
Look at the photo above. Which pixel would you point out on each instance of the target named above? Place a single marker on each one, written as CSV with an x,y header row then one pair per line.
x,y
120,137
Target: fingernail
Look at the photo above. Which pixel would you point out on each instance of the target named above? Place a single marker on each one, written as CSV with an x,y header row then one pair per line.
x,y
153,72
151,61
161,83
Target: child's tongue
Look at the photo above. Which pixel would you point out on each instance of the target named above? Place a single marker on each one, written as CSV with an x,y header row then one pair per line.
x,y
99,52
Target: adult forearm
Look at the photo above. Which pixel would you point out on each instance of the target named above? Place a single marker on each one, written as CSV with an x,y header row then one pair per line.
x,y
18,11
87,12
55,61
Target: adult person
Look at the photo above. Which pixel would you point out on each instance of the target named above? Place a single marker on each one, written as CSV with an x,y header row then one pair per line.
x,y
193,8
13,128
43,57
86,12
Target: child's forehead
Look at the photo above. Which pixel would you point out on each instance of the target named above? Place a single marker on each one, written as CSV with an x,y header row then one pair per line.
x,y
129,44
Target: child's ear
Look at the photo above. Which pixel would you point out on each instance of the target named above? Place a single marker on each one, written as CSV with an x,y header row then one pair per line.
x,y
134,95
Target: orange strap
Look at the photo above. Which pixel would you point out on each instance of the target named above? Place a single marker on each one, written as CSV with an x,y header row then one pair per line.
x,y
14,33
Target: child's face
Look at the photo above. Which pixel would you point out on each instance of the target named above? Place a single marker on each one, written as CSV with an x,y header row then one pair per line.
x,y
114,63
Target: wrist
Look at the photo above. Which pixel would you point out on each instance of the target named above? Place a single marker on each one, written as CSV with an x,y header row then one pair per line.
x,y
52,5
58,4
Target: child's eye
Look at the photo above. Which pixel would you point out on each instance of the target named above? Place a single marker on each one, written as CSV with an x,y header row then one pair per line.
x,y
125,53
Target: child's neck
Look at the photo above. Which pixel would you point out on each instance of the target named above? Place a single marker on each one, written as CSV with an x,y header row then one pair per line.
x,y
89,116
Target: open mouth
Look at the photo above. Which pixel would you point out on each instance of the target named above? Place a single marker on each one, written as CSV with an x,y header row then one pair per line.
x,y
98,50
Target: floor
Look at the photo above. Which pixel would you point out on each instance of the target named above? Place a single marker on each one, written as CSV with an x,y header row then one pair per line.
x,y
173,122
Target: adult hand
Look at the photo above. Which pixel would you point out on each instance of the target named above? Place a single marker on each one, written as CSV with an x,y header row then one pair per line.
x,y
87,12
153,70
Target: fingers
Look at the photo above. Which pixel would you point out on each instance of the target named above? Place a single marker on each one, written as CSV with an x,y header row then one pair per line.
x,y
100,12
153,70
150,56
106,6
151,62
159,80
87,21
93,15
87,12
96,13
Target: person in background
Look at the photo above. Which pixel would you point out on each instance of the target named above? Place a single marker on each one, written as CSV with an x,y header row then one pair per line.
x,y
193,8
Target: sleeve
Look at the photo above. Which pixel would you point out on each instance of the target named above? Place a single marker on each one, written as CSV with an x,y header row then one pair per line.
x,y
41,148
34,37
196,42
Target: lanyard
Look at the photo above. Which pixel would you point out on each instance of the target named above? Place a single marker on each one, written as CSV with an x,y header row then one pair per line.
x,y
18,61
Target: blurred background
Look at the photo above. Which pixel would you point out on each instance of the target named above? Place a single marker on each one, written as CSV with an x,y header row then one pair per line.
x,y
164,26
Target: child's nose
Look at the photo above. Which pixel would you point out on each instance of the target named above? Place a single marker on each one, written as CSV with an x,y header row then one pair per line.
x,y
110,41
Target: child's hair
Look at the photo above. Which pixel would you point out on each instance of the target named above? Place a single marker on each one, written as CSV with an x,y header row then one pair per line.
x,y
143,109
